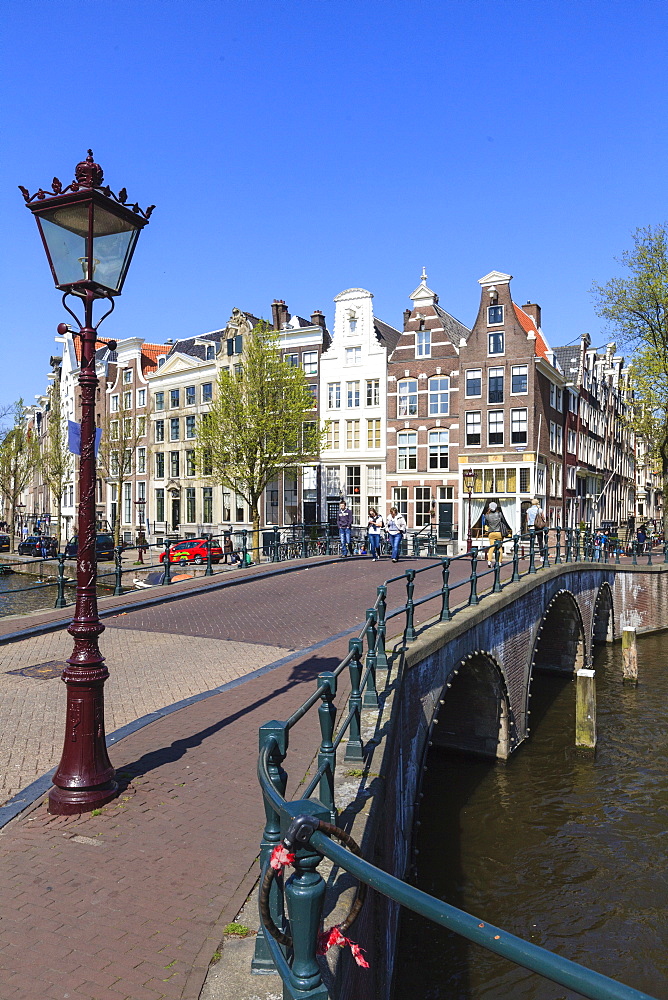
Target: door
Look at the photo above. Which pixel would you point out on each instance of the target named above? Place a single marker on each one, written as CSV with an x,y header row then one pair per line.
x,y
445,508
176,512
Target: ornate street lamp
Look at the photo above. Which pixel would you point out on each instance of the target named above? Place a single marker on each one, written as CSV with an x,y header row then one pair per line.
x,y
469,480
89,236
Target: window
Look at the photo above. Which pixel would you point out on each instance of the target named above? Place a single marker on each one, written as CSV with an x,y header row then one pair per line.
x,y
495,342
495,427
559,399
353,393
190,395
332,439
519,379
127,503
352,325
141,426
559,440
407,450
352,433
438,449
572,438
310,362
373,433
190,427
474,383
174,429
161,360
373,392
207,392
495,385
114,404
160,465
141,460
190,463
473,428
113,430
353,480
525,480
159,400
334,395
207,505
174,397
407,398
159,430
210,352
190,505
174,464
332,480
572,474
141,397
439,390
400,499
518,426
292,360
422,505
423,344
310,440
160,505
494,315
127,375
127,428
373,480
353,355
114,469
207,465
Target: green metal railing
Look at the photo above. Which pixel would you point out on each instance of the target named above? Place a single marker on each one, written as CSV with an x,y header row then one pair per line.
x,y
368,664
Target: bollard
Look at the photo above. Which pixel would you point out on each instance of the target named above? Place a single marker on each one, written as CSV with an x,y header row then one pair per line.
x,y
60,599
209,567
629,656
585,709
473,596
370,691
445,592
354,749
166,565
381,628
118,558
410,634
327,753
275,735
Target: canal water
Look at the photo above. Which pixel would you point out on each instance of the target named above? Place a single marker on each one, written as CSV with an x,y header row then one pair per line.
x,y
565,848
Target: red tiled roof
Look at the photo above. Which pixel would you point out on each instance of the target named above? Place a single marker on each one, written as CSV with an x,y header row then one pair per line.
x,y
529,326
150,354
100,342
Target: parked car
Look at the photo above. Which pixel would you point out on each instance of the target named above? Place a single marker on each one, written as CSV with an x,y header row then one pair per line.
x,y
4,543
104,547
33,545
192,550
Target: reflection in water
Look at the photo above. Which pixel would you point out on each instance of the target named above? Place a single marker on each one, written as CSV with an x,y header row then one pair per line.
x,y
565,848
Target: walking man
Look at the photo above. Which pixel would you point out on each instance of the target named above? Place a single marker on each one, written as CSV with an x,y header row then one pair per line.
x,y
345,523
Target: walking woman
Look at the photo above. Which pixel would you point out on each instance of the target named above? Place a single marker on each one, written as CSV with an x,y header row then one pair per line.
x,y
396,529
374,529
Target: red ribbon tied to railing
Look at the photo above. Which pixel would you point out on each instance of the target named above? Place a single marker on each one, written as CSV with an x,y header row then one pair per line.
x,y
281,858
327,939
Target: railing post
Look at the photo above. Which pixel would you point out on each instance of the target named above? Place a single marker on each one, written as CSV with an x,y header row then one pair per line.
x,y
328,543
244,547
381,628
370,691
665,552
546,548
327,753
516,559
118,559
649,552
166,565
354,749
305,895
445,591
497,567
577,544
416,546
410,634
275,735
60,599
473,596
532,550
617,553
275,554
634,549
209,566
304,543
606,551
569,544
557,554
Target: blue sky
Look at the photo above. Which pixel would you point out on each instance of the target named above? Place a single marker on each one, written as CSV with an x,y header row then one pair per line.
x,y
296,149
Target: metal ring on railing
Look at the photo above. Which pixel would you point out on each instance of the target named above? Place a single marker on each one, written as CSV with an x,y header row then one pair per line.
x,y
299,832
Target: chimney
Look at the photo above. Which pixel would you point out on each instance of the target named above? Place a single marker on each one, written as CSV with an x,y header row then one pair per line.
x,y
533,310
407,314
318,319
279,313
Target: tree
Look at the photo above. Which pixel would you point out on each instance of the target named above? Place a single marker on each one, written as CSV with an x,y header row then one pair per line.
x,y
56,461
261,423
636,308
121,434
19,455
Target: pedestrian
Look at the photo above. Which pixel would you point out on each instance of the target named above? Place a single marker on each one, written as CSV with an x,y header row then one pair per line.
x,y
641,537
228,547
344,521
374,528
536,523
497,529
396,529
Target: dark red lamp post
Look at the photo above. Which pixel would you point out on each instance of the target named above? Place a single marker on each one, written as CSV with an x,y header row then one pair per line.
x,y
89,235
469,480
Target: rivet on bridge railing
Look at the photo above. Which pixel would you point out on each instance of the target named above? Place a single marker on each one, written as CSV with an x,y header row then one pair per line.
x,y
370,692
327,753
275,735
354,749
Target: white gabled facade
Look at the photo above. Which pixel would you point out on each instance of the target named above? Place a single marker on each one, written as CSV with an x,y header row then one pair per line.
x,y
353,403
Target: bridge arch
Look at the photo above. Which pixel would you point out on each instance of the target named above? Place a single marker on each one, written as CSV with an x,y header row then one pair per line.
x,y
473,713
603,619
559,646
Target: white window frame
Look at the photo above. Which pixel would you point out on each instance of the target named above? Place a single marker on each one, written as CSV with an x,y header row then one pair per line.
x,y
423,344
473,395
353,356
496,322
473,418
495,414
407,451
517,371
496,354
435,398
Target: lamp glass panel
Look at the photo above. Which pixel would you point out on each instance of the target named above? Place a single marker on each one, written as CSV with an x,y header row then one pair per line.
x,y
66,249
111,257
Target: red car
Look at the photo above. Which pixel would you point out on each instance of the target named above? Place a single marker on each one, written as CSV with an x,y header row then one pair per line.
x,y
192,550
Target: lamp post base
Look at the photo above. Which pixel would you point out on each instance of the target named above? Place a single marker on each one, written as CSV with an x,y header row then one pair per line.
x,y
68,801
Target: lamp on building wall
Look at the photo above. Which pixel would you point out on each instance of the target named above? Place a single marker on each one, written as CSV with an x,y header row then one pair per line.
x,y
89,235
469,480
